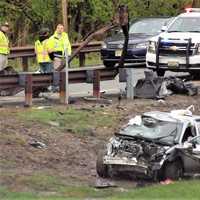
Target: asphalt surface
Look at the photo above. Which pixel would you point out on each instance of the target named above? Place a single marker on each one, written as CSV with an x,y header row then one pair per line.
x,y
84,89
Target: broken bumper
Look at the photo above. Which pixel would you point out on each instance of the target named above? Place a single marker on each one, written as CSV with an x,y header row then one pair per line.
x,y
128,165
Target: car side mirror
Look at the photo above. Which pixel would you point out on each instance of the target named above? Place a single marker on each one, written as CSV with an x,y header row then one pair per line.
x,y
164,28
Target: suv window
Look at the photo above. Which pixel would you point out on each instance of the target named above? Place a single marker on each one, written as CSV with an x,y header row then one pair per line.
x,y
183,24
148,26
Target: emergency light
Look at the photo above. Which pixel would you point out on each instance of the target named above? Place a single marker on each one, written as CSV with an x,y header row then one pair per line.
x,y
189,10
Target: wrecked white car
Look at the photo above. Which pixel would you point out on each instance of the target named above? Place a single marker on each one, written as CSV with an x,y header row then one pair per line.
x,y
146,146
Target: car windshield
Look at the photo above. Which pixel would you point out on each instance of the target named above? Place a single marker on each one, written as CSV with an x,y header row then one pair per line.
x,y
154,130
183,24
148,26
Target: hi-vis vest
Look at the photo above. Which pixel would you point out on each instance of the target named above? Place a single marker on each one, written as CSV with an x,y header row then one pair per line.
x,y
41,50
57,43
4,44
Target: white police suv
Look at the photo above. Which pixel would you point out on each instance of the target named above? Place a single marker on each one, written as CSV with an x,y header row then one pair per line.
x,y
177,48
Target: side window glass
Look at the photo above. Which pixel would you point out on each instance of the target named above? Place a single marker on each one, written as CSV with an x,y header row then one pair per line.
x,y
190,132
198,126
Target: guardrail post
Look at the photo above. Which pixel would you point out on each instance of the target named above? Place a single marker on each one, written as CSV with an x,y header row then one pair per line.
x,y
96,83
25,64
28,90
63,88
81,59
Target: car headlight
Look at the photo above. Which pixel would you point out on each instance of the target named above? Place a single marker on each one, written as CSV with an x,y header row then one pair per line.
x,y
141,45
104,45
151,47
112,145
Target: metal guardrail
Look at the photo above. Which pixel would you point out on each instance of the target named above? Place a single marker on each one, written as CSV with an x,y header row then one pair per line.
x,y
28,52
30,81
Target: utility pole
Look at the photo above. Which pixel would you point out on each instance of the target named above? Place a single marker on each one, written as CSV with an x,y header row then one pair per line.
x,y
65,23
65,14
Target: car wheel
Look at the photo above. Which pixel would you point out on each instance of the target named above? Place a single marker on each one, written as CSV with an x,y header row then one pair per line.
x,y
109,64
102,169
173,170
160,72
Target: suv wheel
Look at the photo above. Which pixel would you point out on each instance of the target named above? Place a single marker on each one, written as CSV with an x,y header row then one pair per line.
x,y
160,72
173,170
102,169
109,64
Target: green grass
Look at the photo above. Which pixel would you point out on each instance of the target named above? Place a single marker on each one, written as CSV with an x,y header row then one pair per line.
x,y
90,59
70,119
185,190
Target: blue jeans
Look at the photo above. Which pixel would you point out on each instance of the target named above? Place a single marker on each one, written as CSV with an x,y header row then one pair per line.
x,y
46,67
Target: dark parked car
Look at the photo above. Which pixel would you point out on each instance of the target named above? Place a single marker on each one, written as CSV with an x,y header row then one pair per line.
x,y
140,32
150,146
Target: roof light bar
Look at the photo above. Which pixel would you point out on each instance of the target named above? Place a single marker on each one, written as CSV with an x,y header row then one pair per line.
x,y
189,10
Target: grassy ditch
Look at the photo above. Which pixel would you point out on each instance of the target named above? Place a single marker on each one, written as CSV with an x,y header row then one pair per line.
x,y
78,121
183,190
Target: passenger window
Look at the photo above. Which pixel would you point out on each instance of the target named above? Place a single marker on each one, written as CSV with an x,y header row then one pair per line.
x,y
190,132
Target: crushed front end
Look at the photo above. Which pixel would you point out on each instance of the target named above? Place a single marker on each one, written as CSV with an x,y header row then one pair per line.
x,y
136,156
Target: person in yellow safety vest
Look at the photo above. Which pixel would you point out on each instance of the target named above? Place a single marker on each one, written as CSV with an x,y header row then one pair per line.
x,y
4,45
59,44
41,50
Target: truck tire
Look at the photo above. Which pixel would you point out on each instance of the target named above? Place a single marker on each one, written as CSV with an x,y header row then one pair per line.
x,y
173,170
109,64
102,169
160,72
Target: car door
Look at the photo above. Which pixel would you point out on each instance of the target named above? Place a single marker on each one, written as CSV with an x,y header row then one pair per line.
x,y
191,155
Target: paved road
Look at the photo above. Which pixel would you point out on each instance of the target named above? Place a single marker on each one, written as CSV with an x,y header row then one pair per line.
x,y
83,89
108,86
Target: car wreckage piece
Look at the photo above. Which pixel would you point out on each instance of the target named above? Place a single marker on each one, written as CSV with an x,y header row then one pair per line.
x,y
147,146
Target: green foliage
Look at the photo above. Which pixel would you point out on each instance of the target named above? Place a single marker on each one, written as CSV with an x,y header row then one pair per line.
x,y
85,16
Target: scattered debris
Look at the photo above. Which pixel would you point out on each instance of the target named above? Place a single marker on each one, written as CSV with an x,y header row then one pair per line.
x,y
166,182
52,123
153,87
43,107
98,100
101,184
38,144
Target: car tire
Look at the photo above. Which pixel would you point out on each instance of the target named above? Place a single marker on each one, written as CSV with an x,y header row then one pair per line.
x,y
109,64
160,72
173,170
102,169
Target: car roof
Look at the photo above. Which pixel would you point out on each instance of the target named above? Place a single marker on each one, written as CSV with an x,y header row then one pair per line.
x,y
191,14
148,18
169,117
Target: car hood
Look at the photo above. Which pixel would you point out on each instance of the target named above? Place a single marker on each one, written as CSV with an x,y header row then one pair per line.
x,y
133,38
179,37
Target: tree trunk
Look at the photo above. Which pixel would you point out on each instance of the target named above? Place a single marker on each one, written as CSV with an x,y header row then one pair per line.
x,y
196,3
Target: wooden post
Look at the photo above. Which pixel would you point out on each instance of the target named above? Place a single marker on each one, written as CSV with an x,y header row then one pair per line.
x,y
63,95
25,64
65,14
96,83
81,59
28,90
